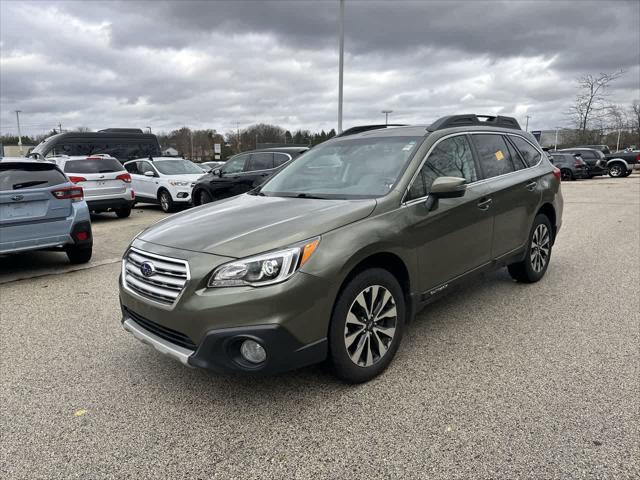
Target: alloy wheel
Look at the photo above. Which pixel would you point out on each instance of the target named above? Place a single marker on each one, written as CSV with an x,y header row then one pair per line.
x,y
370,326
540,247
164,202
565,174
615,170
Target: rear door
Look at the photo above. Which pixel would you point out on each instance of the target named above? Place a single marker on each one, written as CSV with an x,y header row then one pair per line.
x,y
28,209
513,191
228,183
258,169
97,176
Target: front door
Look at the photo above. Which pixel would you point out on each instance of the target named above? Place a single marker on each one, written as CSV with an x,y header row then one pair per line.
x,y
455,236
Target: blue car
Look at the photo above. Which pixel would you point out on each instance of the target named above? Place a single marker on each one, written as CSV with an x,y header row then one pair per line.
x,y
40,209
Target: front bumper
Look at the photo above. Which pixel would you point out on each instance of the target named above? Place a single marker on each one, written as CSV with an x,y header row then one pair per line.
x,y
290,320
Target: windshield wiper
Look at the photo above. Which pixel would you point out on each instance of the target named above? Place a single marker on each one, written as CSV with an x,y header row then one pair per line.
x,y
18,186
309,195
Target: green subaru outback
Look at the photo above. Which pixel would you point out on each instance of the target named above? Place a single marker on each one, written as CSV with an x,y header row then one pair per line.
x,y
332,257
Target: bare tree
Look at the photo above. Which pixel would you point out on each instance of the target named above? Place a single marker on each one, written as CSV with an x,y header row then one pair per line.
x,y
590,102
635,118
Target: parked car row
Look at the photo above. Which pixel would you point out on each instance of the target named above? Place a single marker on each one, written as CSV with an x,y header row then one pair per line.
x,y
584,162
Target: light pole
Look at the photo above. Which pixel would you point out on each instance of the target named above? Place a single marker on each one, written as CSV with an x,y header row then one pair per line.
x,y
19,133
618,142
340,65
386,116
148,128
526,128
555,145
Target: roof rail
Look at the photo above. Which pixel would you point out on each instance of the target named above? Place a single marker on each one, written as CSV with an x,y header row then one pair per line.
x,y
366,128
121,130
472,119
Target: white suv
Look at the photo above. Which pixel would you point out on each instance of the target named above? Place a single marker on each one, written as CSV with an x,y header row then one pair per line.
x,y
106,183
164,180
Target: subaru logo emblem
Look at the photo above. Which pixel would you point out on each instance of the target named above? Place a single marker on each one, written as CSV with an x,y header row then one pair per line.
x,y
147,269
17,198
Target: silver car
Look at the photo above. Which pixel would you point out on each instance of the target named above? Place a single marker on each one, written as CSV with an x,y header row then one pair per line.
x,y
107,185
40,209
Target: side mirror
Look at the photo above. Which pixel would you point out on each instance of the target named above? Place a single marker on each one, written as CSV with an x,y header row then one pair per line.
x,y
448,187
217,172
149,173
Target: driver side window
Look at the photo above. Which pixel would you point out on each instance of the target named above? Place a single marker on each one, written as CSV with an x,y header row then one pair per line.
x,y
235,165
451,158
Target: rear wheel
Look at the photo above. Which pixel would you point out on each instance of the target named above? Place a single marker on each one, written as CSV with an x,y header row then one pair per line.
x,y
566,174
166,202
629,172
366,326
617,169
79,254
123,212
536,261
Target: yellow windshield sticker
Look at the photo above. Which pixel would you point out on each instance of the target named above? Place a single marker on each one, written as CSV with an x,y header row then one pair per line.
x,y
499,155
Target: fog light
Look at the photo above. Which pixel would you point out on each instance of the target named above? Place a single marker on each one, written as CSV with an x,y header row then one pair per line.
x,y
253,352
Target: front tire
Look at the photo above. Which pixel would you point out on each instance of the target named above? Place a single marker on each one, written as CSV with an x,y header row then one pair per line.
x,y
166,202
366,326
536,261
204,197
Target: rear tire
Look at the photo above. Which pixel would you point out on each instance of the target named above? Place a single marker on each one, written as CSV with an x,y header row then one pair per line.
x,y
629,172
617,169
366,326
536,261
566,175
123,212
79,254
166,202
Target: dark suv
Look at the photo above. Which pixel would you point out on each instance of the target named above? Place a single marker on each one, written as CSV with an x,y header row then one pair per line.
x,y
595,160
333,255
242,173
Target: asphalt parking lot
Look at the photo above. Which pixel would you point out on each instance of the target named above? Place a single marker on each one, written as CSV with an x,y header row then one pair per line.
x,y
496,380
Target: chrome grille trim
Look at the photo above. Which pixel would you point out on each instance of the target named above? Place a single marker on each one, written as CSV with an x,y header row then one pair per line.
x,y
167,283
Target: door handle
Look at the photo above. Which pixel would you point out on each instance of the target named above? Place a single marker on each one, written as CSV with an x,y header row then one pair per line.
x,y
484,203
531,186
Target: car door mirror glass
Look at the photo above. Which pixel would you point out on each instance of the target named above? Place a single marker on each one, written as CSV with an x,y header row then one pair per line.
x,y
448,187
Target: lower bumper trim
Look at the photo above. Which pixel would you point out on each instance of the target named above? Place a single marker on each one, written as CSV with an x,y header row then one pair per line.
x,y
174,351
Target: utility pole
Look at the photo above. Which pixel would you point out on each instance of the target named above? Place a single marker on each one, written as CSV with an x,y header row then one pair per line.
x,y
555,147
618,143
526,129
386,116
19,132
341,65
238,128
59,128
191,137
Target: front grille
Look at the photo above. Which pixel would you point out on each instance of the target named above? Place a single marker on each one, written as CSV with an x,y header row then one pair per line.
x,y
166,281
165,333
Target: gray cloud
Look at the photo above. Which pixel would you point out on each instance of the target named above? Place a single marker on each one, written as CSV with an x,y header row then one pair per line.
x,y
213,64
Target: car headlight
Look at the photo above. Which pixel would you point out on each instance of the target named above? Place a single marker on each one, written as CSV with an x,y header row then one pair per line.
x,y
179,183
265,269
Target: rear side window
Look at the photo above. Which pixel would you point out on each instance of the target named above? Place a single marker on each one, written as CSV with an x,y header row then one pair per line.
x,y
20,176
97,165
495,158
279,159
132,167
529,153
260,161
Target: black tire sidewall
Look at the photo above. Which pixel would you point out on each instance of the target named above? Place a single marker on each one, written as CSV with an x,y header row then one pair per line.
x,y
532,275
204,197
339,358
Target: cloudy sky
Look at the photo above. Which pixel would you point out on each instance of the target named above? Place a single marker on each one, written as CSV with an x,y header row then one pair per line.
x,y
217,64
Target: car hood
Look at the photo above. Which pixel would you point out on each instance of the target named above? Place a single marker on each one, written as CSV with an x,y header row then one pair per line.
x,y
189,177
247,224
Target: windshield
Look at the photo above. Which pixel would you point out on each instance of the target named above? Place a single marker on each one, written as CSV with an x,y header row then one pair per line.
x,y
350,168
177,167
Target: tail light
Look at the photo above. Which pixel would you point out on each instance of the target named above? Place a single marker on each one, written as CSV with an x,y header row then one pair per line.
x,y
125,177
638,158
578,162
133,195
556,173
77,179
74,193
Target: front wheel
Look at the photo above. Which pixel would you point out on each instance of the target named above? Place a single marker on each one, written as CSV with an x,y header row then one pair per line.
x,y
538,254
366,326
204,197
166,202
